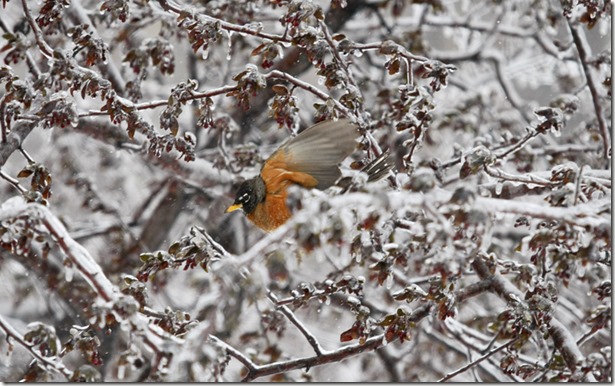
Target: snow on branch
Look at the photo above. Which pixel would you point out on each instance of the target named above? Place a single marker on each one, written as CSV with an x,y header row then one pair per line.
x,y
123,308
50,362
562,338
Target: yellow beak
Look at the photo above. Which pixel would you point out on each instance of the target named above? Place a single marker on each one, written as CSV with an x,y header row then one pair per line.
x,y
233,208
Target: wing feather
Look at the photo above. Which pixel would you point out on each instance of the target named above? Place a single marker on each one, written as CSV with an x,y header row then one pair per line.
x,y
317,151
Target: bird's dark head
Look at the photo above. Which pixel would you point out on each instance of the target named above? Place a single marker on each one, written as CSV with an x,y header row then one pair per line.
x,y
250,193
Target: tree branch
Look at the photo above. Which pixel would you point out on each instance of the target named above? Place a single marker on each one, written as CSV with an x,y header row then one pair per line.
x,y
293,319
87,267
165,102
562,338
14,139
49,362
38,34
13,182
584,51
242,29
476,361
29,60
80,16
256,371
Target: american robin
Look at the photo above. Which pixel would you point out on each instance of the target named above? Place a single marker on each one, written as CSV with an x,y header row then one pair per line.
x,y
311,160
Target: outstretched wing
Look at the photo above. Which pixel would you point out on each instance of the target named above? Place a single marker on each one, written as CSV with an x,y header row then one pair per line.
x,y
313,155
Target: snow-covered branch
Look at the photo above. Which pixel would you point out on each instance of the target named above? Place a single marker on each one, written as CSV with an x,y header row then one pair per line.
x,y
562,338
50,362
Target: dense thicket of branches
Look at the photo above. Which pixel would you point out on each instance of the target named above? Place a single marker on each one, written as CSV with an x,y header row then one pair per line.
x,y
127,126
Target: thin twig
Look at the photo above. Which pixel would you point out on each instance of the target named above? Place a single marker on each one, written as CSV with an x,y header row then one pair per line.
x,y
454,346
13,182
29,60
48,362
293,319
526,179
165,102
476,361
244,30
336,54
577,187
585,337
256,371
251,366
308,87
584,51
26,155
518,145
400,50
370,344
38,34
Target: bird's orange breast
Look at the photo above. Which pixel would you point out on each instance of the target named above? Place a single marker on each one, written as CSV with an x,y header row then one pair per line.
x,y
271,213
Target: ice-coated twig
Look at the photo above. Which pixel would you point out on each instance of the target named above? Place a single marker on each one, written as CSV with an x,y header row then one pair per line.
x,y
293,319
165,102
244,30
578,37
13,182
518,145
257,371
577,187
50,362
488,367
80,16
19,132
561,336
38,34
89,269
526,178
336,54
308,87
87,266
251,366
476,361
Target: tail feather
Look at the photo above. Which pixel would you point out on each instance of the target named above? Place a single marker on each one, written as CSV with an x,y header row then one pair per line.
x,y
376,169
379,167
